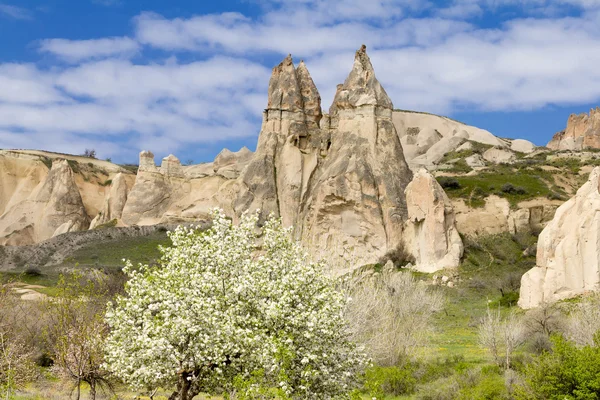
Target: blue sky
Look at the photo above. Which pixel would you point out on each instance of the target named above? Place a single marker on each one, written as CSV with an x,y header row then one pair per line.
x,y
190,77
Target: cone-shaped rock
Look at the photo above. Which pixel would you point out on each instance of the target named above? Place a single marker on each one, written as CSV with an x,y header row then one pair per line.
x,y
273,180
362,87
355,204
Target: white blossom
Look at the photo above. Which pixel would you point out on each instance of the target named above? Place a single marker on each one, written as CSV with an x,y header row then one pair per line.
x,y
219,308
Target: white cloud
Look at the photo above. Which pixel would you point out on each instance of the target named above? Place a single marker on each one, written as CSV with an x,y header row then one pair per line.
x,y
431,61
168,105
15,12
234,33
78,50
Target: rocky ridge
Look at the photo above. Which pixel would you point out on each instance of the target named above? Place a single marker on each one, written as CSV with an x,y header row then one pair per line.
x,y
582,132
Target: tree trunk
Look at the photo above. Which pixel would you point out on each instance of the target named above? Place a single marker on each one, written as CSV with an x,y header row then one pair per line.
x,y
92,390
78,389
183,388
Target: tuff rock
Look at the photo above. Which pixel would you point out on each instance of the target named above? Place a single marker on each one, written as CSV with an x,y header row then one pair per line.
x,y
568,251
583,131
431,234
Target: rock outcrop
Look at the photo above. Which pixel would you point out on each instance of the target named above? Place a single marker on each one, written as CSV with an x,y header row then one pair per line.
x,y
53,207
277,175
153,191
354,206
431,235
426,138
114,202
568,251
582,132
497,216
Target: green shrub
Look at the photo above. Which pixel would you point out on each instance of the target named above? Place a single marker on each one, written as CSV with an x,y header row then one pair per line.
x,y
74,166
566,372
448,182
395,381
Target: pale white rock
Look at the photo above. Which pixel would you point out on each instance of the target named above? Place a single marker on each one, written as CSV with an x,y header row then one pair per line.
x,y
115,200
171,166
522,146
54,205
499,155
466,146
431,234
230,164
475,161
568,251
154,191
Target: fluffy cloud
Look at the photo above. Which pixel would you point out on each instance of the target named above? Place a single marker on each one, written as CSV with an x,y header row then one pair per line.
x,y
431,59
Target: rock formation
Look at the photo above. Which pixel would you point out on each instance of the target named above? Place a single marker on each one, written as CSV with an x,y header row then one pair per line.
x,y
426,138
338,179
153,191
431,234
354,205
114,202
53,207
275,178
568,251
583,131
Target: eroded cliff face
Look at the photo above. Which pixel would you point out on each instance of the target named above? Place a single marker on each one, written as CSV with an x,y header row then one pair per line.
x,y
275,177
354,206
568,251
583,131
431,234
39,212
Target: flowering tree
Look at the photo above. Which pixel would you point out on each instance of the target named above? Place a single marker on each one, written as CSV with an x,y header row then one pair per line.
x,y
221,315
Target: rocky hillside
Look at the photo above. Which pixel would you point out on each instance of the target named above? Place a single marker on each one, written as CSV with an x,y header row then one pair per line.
x,y
356,183
582,132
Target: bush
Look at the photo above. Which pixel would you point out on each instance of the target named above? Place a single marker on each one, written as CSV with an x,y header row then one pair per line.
x,y
33,272
448,182
567,372
395,381
214,312
399,256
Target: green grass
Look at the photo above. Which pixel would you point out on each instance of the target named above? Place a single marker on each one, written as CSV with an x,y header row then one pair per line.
x,y
112,252
489,268
474,189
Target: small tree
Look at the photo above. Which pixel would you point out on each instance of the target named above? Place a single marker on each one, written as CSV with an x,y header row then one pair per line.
x,y
390,313
16,361
221,315
501,336
585,321
91,153
77,332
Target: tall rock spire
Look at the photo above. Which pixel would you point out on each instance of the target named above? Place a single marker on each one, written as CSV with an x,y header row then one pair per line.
x,y
284,91
355,201
273,180
361,86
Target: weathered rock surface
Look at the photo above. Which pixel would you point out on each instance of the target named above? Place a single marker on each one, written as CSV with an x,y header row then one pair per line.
x,y
53,207
153,191
354,205
568,251
522,146
499,155
496,216
583,131
115,201
229,164
431,235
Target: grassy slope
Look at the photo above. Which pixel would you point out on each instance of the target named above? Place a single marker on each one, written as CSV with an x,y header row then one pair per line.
x,y
533,177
